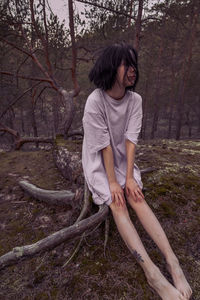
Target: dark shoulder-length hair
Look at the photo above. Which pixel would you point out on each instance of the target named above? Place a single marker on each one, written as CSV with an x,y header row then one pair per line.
x,y
103,74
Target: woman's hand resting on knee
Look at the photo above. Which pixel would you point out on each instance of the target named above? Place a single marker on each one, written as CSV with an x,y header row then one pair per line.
x,y
117,193
133,190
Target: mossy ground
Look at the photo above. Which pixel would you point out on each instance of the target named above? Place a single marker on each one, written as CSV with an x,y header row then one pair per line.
x,y
173,192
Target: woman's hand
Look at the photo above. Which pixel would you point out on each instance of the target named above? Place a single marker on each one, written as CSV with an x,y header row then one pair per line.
x,y
133,190
117,193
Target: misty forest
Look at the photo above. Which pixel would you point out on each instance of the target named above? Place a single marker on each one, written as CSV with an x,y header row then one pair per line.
x,y
55,243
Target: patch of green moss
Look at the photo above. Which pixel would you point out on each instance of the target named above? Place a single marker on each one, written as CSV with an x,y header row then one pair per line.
x,y
60,141
42,296
54,293
167,209
39,235
39,277
71,145
94,267
162,190
198,201
155,256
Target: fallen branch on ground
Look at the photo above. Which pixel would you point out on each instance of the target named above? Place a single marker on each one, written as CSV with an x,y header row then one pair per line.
x,y
54,239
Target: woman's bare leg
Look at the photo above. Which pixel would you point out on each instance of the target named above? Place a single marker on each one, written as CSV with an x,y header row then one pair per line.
x,y
154,229
130,236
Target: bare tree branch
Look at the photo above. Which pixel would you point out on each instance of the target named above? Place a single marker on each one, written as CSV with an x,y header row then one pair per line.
x,y
9,130
18,98
16,47
107,8
26,77
53,240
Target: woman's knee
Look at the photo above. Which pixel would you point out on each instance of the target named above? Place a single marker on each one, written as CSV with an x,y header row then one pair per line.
x,y
116,209
135,202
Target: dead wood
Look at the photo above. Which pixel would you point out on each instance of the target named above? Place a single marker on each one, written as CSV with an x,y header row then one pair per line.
x,y
75,133
64,197
84,211
20,142
86,203
69,164
148,170
53,240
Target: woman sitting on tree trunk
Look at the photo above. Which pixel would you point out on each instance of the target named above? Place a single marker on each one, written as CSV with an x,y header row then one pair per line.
x,y
112,122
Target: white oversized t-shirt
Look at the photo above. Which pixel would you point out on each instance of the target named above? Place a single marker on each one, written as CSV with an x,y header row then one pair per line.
x,y
107,121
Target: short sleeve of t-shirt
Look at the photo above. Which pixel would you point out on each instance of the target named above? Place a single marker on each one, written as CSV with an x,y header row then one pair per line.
x,y
135,121
95,131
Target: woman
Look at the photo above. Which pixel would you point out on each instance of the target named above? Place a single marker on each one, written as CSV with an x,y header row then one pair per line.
x,y
112,122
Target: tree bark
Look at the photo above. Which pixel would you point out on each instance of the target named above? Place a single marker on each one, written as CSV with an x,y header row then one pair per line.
x,y
59,198
138,26
157,94
144,121
171,100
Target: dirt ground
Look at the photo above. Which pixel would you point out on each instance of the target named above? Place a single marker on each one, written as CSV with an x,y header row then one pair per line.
x,y
172,191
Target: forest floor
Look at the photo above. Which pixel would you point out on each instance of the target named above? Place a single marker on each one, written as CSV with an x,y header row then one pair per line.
x,y
172,191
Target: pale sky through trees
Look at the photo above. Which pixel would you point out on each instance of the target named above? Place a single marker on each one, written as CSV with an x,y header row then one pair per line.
x,y
60,8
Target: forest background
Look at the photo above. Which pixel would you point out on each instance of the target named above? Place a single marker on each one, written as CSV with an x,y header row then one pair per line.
x,y
42,58
44,66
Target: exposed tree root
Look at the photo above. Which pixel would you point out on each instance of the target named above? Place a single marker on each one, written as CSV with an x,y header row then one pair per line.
x,y
54,239
84,211
49,196
86,203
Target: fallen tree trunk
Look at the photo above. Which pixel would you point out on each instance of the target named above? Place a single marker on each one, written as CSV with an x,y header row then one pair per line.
x,y
20,142
63,197
54,239
69,164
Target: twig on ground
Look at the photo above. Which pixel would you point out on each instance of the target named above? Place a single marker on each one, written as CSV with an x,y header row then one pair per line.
x,y
107,227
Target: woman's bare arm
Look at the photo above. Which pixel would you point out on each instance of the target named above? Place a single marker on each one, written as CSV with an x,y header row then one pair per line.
x,y
130,157
132,187
115,189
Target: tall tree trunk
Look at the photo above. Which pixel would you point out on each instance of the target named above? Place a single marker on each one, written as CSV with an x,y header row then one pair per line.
x,y
172,94
138,26
32,115
22,119
55,114
71,113
186,70
145,106
131,11
33,93
10,122
157,94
